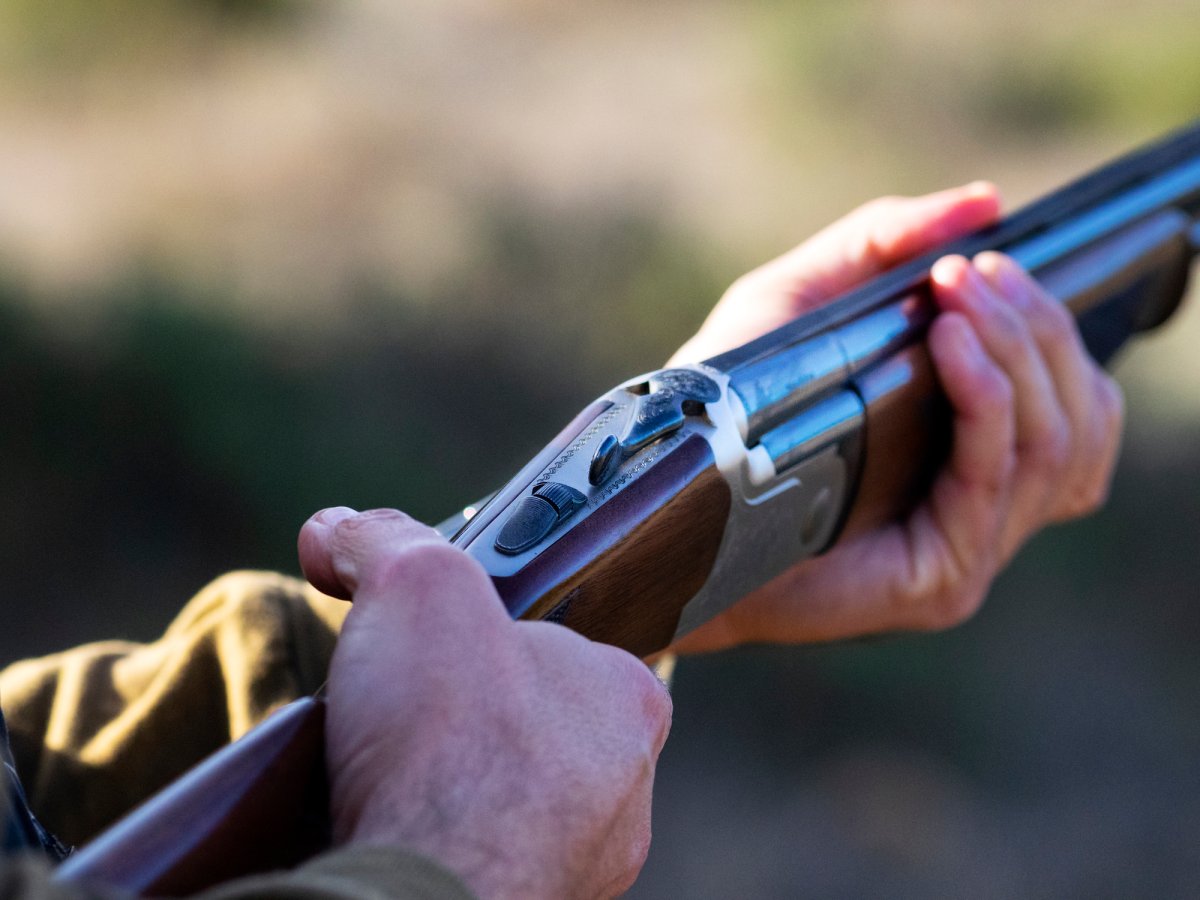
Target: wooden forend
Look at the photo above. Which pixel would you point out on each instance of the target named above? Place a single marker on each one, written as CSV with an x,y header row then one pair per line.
x,y
907,438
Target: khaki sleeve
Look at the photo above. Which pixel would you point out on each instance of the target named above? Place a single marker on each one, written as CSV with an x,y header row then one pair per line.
x,y
97,729
349,874
357,873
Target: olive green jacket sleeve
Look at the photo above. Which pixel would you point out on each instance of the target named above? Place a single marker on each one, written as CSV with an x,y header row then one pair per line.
x,y
371,873
97,729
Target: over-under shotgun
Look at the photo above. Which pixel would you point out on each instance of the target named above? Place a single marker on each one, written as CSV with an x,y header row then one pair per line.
x,y
679,491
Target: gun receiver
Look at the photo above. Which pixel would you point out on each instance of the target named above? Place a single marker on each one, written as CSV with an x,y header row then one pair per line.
x,y
679,491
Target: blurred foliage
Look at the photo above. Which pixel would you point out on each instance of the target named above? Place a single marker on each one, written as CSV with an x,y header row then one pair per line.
x,y
993,69
588,296
80,17
62,38
163,443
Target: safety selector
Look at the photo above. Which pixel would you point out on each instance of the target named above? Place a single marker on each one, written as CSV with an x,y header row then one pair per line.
x,y
535,517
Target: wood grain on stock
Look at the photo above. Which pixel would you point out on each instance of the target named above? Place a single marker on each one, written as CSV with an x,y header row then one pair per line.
x,y
626,586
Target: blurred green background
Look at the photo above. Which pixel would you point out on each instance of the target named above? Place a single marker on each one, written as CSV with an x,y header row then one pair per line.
x,y
262,257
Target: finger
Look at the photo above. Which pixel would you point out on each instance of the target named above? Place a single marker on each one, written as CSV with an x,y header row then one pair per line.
x,y
382,555
928,572
651,696
1042,433
1093,492
1090,399
953,538
873,238
879,235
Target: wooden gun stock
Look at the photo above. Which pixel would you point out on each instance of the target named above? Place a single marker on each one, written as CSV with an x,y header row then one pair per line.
x,y
625,536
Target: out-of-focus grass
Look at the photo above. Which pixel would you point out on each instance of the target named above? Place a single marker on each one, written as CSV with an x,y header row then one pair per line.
x,y
70,37
162,443
1017,70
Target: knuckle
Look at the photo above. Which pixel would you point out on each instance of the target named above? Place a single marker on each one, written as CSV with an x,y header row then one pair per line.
x,y
1098,494
879,208
1049,446
659,704
1087,497
744,286
945,591
1096,462
431,555
997,473
655,702
955,607
1112,401
1095,495
1052,324
874,226
426,562
637,852
646,696
639,848
1083,502
996,394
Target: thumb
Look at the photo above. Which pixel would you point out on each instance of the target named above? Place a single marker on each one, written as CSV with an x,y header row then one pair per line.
x,y
314,547
383,558
339,548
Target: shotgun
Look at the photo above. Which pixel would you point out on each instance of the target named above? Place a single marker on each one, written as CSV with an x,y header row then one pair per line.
x,y
679,491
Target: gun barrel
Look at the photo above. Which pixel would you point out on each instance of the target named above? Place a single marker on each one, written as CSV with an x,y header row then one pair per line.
x,y
797,365
1121,177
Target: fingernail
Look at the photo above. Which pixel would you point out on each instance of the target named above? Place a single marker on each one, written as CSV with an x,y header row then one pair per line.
x,y
975,288
946,270
979,189
333,515
978,285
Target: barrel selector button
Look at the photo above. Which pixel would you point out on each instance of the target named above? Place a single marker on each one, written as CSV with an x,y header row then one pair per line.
x,y
605,460
536,516
663,403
